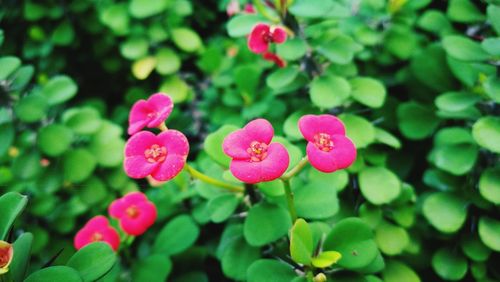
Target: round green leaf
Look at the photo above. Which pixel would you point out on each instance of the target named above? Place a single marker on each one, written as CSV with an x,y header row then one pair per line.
x,y
53,140
379,185
396,271
489,232
55,273
387,138
464,11
463,48
391,239
449,264
266,223
213,144
282,77
145,8
134,48
93,261
31,108
456,101
78,165
176,88
354,240
301,242
143,67
222,207
492,88
486,132
64,34
361,131
416,121
457,159
445,211
9,65
237,258
474,248
493,13
167,62
27,165
329,91
316,200
59,89
11,205
326,259
292,49
368,91
489,185
268,270
176,236
340,50
82,120
116,17
187,39
242,24
154,268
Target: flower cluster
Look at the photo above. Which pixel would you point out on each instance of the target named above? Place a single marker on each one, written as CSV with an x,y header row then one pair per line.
x,y
262,36
161,156
135,214
256,159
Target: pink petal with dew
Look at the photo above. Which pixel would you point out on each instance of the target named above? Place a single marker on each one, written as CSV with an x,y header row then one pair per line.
x,y
139,143
341,156
272,167
138,167
137,226
235,145
138,117
279,35
311,125
169,169
257,41
162,105
174,141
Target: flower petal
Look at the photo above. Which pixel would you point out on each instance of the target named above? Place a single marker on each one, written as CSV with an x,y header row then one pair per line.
x,y
311,125
272,167
162,105
341,156
175,142
260,130
172,166
137,226
236,143
279,35
138,117
139,143
257,42
111,236
138,167
117,208
97,222
269,56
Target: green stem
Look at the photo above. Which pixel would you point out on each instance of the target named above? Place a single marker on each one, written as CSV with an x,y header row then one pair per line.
x,y
296,169
207,179
289,199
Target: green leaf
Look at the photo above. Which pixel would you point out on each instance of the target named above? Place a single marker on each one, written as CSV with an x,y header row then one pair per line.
x,y
282,77
456,101
237,258
54,139
396,271
340,50
116,17
326,259
64,34
368,91
270,270
31,108
213,144
316,200
242,24
486,132
55,273
493,13
292,49
176,88
435,21
176,236
489,232
353,239
338,179
430,67
222,207
93,261
301,242
167,61
391,239
134,48
329,91
83,121
379,185
361,131
457,159
9,65
22,253
143,67
107,145
143,8
11,205
445,211
464,11
290,126
311,8
78,165
59,89
187,39
416,121
489,185
474,248
449,264
464,49
22,77
387,138
27,165
7,133
492,46
266,223
153,268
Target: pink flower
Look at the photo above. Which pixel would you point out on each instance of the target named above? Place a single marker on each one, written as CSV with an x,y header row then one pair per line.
x,y
268,56
233,7
262,35
6,255
328,149
254,158
135,212
97,229
249,9
151,113
162,156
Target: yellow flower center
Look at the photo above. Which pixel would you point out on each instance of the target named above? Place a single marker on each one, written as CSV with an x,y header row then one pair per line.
x,y
257,151
155,153
323,142
97,236
132,212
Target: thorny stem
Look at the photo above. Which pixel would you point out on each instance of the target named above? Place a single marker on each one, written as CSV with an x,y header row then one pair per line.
x,y
207,179
296,169
289,199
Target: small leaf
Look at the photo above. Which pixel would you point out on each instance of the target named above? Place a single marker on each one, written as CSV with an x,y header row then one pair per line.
x,y
361,131
329,91
486,132
93,261
445,211
368,91
379,185
340,50
187,39
266,223
9,65
489,185
489,232
55,273
326,259
301,242
22,253
11,205
242,24
396,271
55,139
449,264
416,121
176,236
153,268
142,68
222,207
213,144
267,270
463,48
464,11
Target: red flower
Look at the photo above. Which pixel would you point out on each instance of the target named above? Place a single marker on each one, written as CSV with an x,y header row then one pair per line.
x,y
97,229
268,56
6,255
262,35
149,113
135,213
